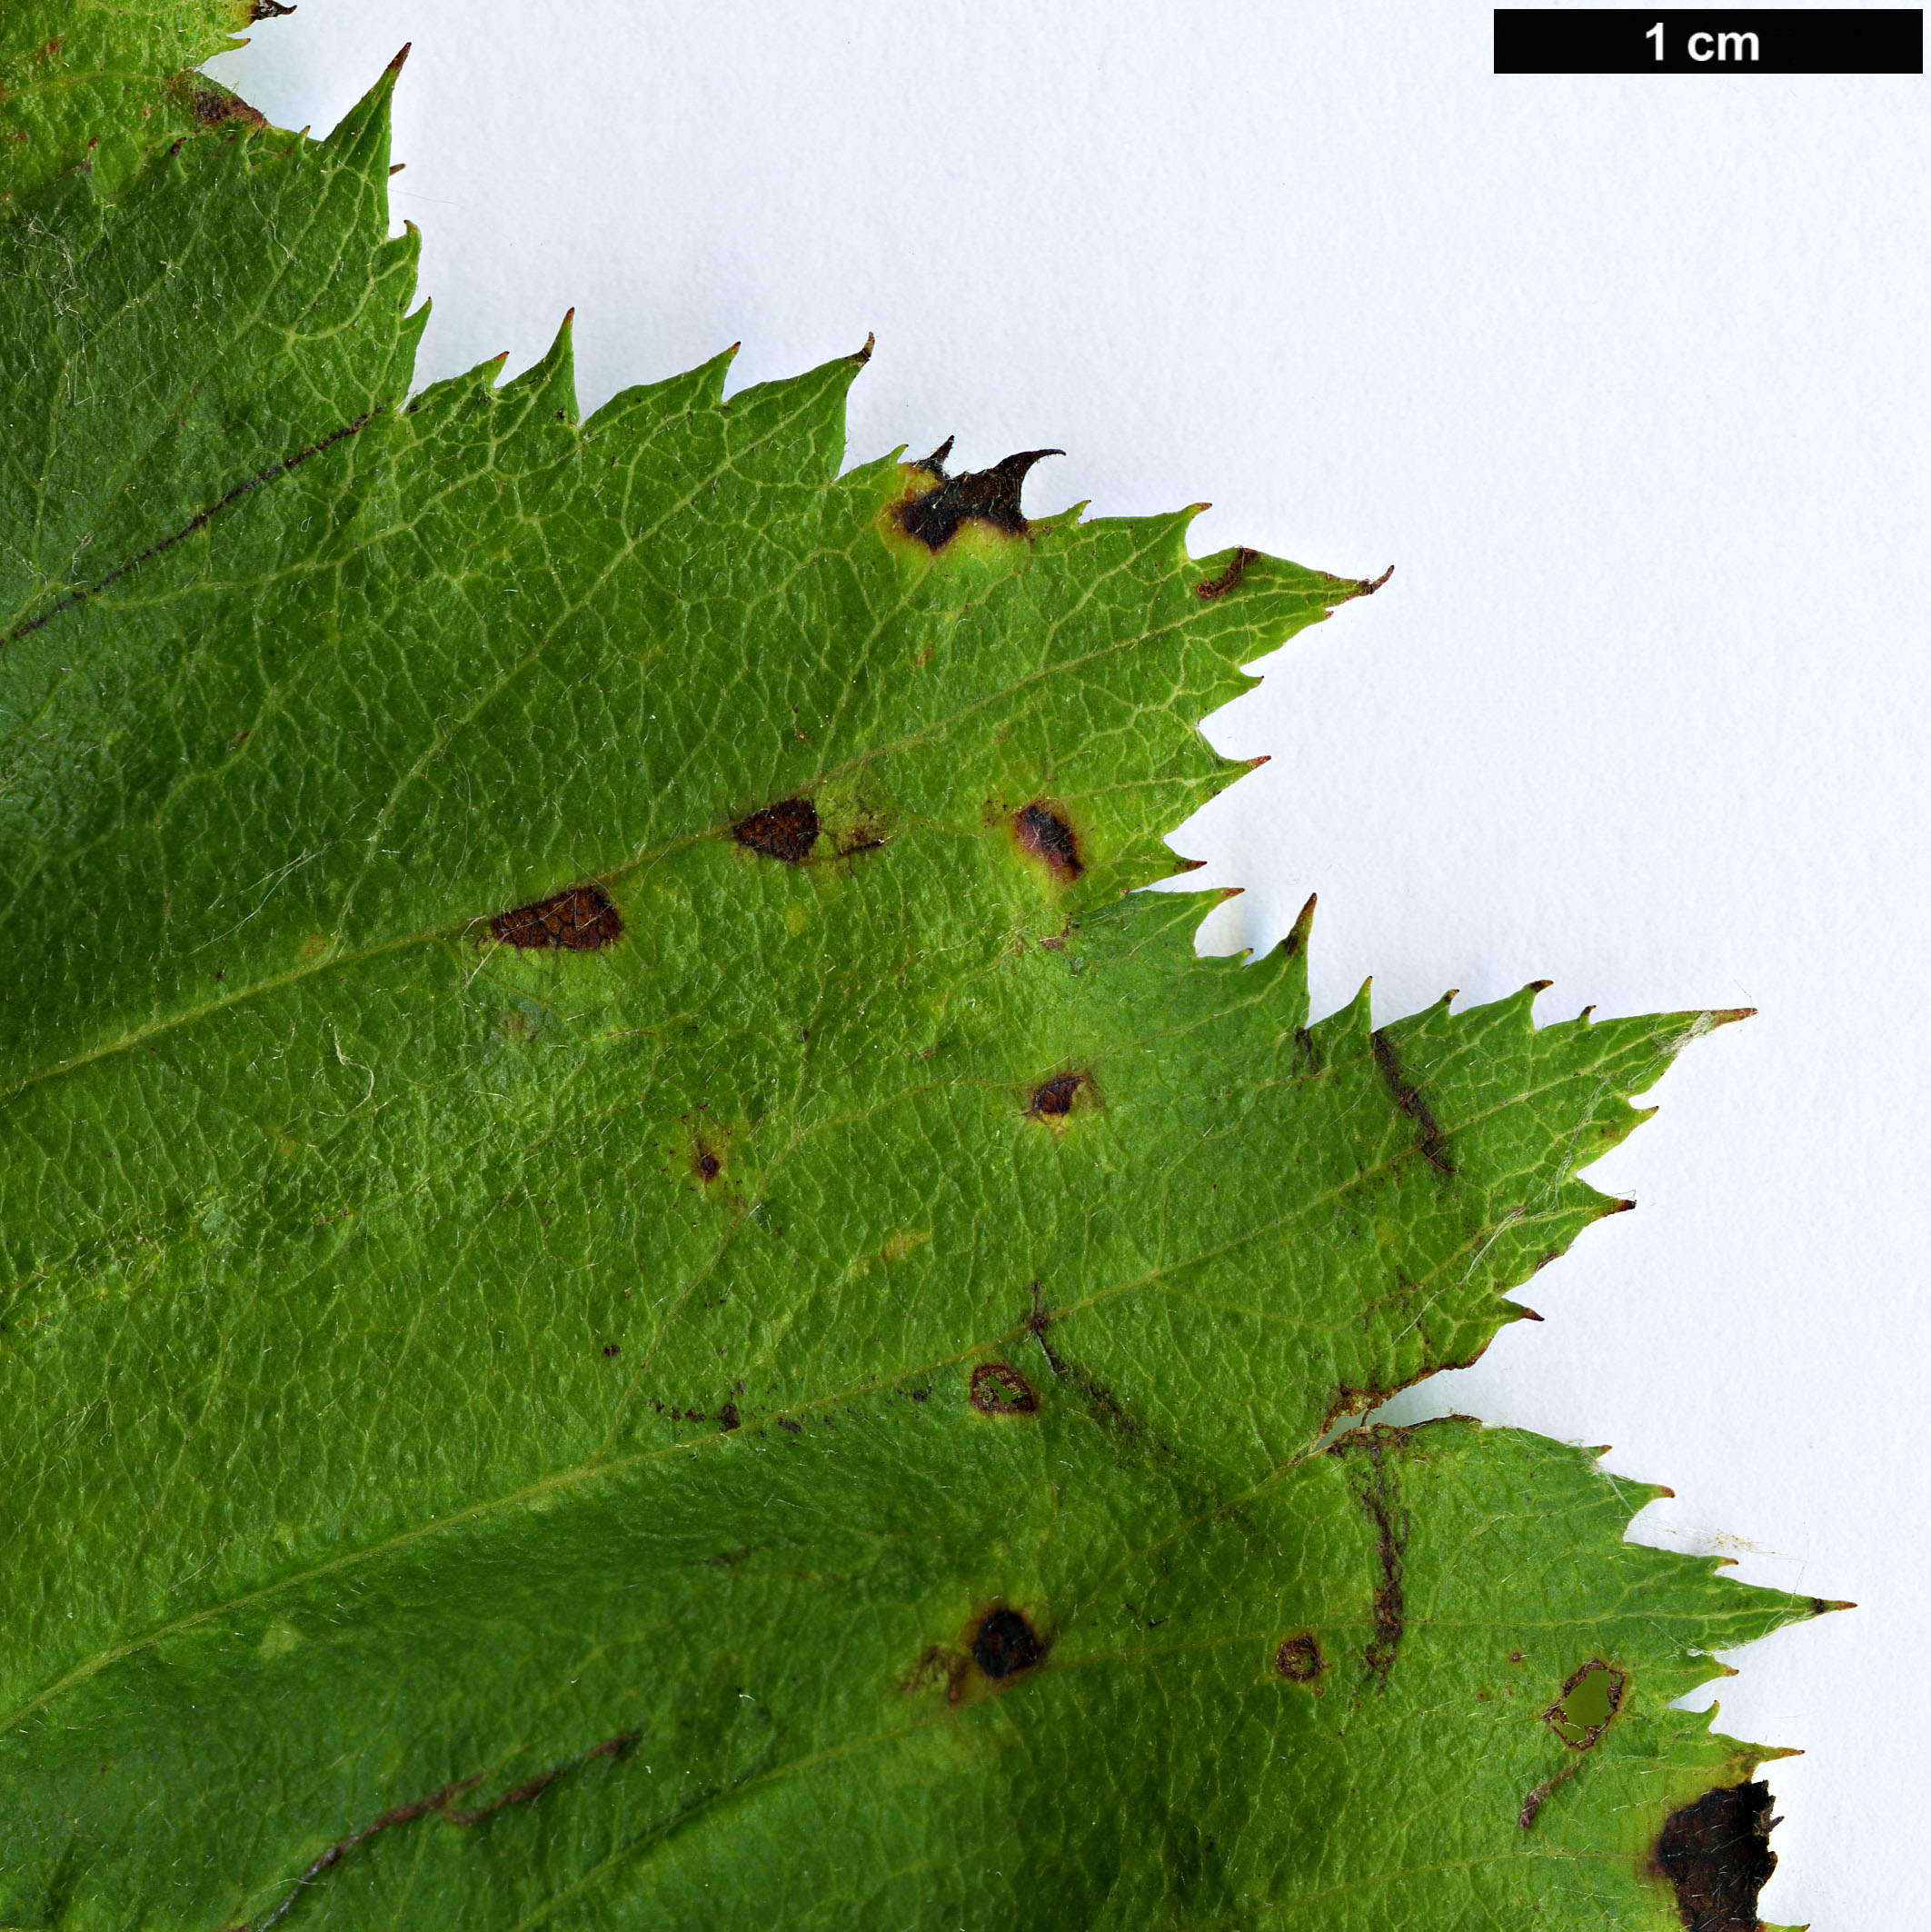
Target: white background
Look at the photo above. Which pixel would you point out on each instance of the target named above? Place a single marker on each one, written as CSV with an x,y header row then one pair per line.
x,y
1626,377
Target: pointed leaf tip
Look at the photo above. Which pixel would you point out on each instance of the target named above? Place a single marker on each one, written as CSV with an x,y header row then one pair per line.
x,y
865,354
396,66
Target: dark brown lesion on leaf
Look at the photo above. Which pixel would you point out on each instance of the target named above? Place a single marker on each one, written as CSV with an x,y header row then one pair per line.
x,y
1045,832
267,10
989,497
580,919
997,1389
1218,587
1409,1100
1359,586
211,103
1389,1606
786,831
1005,1644
439,1803
1052,1100
1715,1852
1300,1659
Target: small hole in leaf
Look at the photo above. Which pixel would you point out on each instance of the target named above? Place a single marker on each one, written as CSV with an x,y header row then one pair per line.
x,y
1588,1700
1000,1389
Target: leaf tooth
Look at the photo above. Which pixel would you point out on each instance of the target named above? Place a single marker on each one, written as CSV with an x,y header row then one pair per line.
x,y
547,387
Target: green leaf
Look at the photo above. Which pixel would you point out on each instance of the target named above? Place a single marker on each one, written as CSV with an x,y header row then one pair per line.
x,y
635,1292
107,83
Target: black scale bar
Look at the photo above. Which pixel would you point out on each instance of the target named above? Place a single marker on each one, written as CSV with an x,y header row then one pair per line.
x,y
1726,40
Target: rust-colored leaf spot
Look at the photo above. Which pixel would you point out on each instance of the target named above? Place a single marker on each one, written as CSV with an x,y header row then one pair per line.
x,y
577,920
1300,1659
1043,830
991,497
786,831
728,1415
706,1165
1717,1854
1054,1099
1000,1389
1005,1644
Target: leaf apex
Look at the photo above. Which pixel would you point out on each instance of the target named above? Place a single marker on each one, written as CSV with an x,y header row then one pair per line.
x,y
1303,924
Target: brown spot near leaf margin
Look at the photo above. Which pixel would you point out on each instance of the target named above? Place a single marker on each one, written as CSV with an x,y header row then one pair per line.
x,y
1220,586
991,497
211,103
1716,1854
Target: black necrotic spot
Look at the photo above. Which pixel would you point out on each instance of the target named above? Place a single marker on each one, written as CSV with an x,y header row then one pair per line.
x,y
980,496
1005,1644
1044,832
1717,1854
